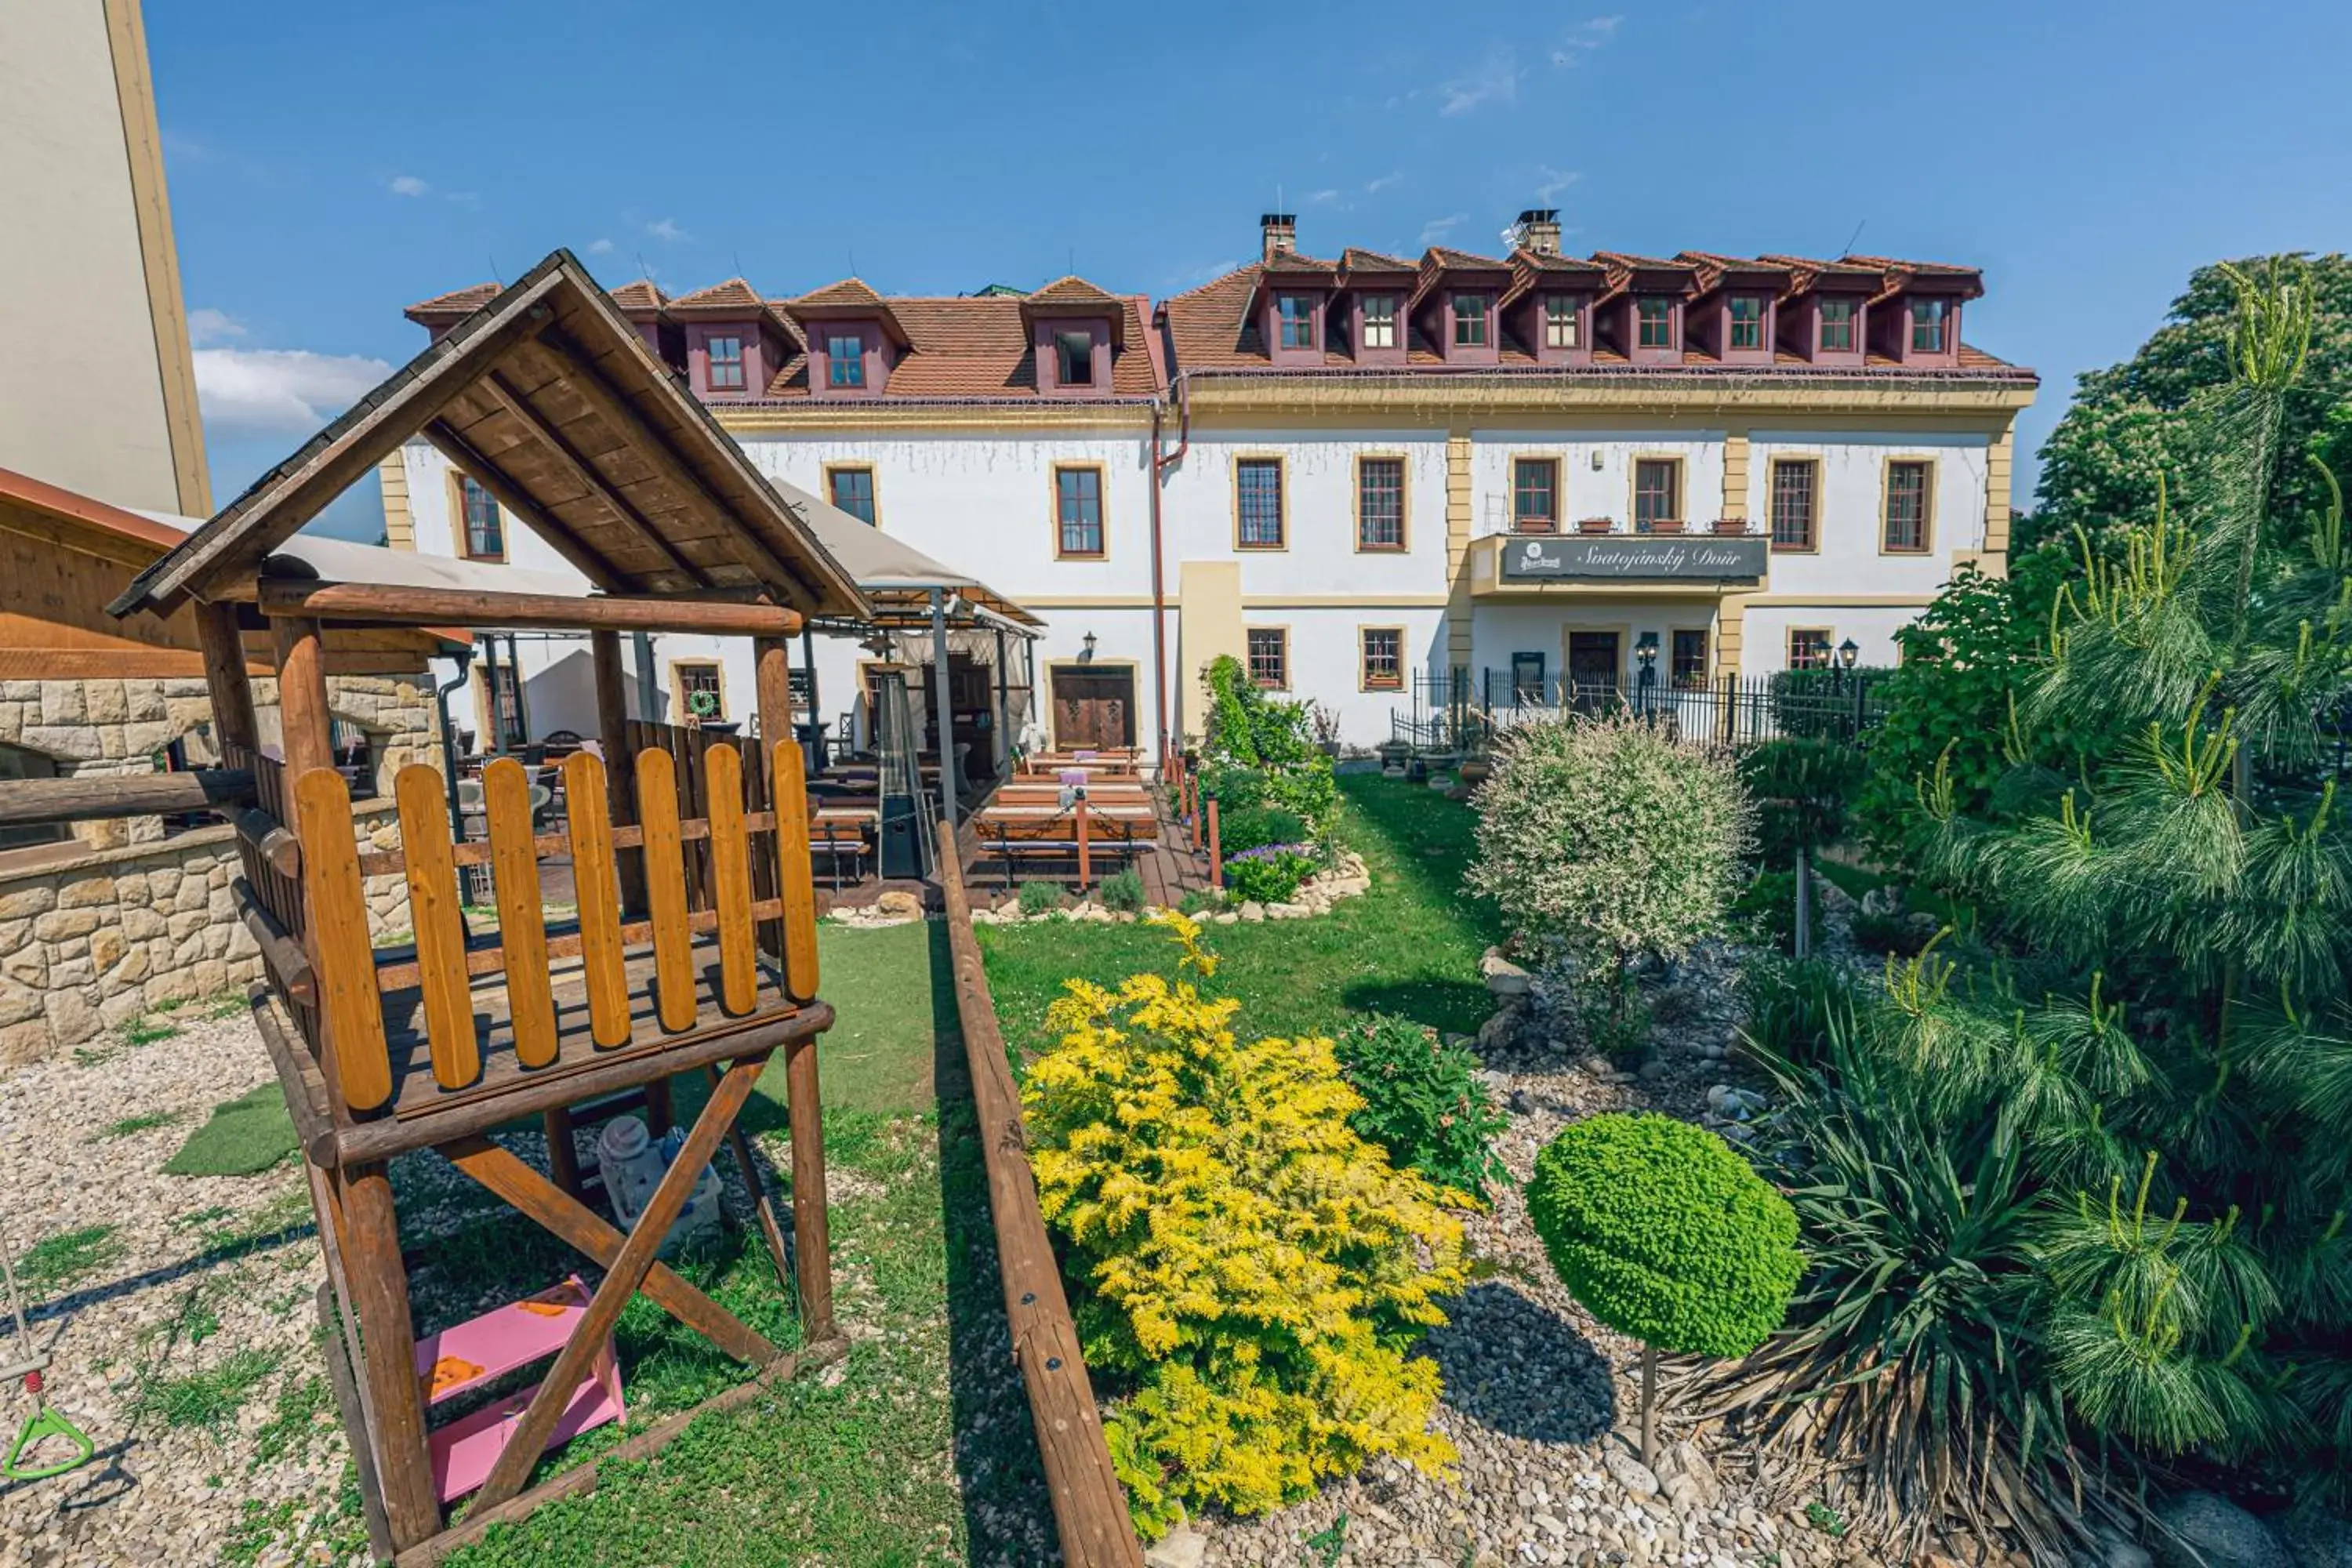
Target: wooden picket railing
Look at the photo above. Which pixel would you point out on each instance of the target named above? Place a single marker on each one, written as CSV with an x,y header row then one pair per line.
x,y
715,895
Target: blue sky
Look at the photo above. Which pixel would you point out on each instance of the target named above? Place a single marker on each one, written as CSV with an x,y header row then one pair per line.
x,y
330,163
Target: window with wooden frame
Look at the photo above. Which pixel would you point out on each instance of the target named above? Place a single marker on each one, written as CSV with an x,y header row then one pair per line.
x,y
1562,323
1469,320
701,695
845,360
482,528
1907,506
1654,322
1074,359
1808,647
1796,501
1379,503
1077,512
1744,322
1269,657
1686,664
1380,662
1930,320
1257,503
1657,492
1295,316
1535,495
851,487
1380,329
1837,320
726,371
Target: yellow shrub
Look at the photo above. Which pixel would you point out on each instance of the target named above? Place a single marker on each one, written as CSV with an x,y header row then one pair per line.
x,y
1256,1269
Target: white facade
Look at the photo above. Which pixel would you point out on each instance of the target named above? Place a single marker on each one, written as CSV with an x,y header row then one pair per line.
x,y
983,502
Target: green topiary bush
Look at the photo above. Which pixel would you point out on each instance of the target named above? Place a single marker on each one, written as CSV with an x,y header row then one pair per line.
x,y
1269,874
1424,1103
1662,1231
1037,897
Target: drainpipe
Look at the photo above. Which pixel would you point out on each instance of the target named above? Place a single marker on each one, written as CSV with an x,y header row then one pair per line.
x,y
465,657
1161,463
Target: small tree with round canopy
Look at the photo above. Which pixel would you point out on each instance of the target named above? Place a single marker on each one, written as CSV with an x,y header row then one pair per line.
x,y
1660,1229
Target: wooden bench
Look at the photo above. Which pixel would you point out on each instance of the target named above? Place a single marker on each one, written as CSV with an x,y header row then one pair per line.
x,y
1014,834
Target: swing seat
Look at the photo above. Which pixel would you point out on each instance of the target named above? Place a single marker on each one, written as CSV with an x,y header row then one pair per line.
x,y
41,1425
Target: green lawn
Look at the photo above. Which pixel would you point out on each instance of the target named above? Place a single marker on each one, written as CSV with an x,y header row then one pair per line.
x,y
1410,945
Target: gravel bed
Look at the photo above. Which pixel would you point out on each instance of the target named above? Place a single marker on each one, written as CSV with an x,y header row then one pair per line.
x,y
1543,1402
199,1278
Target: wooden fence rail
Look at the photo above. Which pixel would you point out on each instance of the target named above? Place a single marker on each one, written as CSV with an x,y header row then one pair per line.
x,y
1089,1505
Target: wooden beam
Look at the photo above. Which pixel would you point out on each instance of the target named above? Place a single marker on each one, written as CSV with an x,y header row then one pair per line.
x,y
226,675
1090,1510
395,605
584,473
288,963
611,405
268,838
24,802
517,501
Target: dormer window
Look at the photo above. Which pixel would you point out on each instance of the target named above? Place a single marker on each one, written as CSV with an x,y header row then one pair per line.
x,y
1297,315
1074,359
844,356
1837,326
726,373
1560,323
1379,321
1653,322
1469,320
1929,322
1744,322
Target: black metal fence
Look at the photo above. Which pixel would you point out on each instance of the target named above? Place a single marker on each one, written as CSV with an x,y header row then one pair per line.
x,y
1462,710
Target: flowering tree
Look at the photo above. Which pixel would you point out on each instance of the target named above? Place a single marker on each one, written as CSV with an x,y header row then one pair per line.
x,y
1611,836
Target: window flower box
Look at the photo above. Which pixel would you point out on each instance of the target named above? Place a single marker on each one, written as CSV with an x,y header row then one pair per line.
x,y
1596,524
1731,525
1664,525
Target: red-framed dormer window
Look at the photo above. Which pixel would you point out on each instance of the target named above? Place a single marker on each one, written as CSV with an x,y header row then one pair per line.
x,y
1743,322
1561,321
1380,328
1931,322
1470,321
1295,316
1653,322
845,360
726,373
1837,326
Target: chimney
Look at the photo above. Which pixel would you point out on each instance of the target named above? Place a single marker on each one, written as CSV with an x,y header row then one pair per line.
x,y
1539,230
1278,233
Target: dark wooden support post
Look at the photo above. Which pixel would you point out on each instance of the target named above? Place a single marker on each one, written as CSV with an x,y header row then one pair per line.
x,y
648,685
815,747
1003,706
1216,858
620,769
812,1243
224,677
943,717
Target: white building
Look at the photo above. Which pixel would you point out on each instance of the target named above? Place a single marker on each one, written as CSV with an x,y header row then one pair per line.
x,y
1501,472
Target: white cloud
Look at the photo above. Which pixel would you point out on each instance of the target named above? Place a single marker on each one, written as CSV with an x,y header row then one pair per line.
x,y
1321,198
1437,228
1582,40
1496,80
668,229
1550,182
1374,187
408,185
599,247
207,325
280,391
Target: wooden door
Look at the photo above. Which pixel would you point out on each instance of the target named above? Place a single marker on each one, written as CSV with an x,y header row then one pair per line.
x,y
1592,667
1094,709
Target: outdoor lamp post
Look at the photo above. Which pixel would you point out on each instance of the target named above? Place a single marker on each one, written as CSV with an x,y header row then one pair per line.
x,y
1847,653
1645,653
1088,656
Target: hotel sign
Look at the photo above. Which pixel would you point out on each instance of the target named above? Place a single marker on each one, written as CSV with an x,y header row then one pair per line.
x,y
1657,559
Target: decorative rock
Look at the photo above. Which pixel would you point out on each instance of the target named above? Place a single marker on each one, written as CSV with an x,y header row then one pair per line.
x,y
1637,1478
1183,1547
2114,1552
1286,911
1252,912
2316,1539
2215,1533
899,904
1503,977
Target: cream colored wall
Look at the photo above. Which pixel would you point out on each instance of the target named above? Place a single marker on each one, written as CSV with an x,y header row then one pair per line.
x,y
87,399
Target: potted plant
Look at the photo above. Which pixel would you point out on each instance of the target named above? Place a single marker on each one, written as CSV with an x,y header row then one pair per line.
x,y
1665,525
1731,525
1595,524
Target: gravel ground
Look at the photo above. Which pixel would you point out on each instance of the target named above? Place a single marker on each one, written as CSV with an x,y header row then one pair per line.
x,y
184,1348
1542,1401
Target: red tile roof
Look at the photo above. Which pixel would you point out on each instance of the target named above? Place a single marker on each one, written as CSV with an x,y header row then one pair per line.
x,y
978,347
732,298
641,295
848,291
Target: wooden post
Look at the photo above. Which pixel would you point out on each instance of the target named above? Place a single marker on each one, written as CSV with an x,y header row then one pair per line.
x,y
771,660
303,719
379,1282
1196,813
1085,862
812,1243
620,768
943,717
1216,860
224,677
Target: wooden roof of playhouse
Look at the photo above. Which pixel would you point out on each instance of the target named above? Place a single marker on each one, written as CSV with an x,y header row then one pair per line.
x,y
549,398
